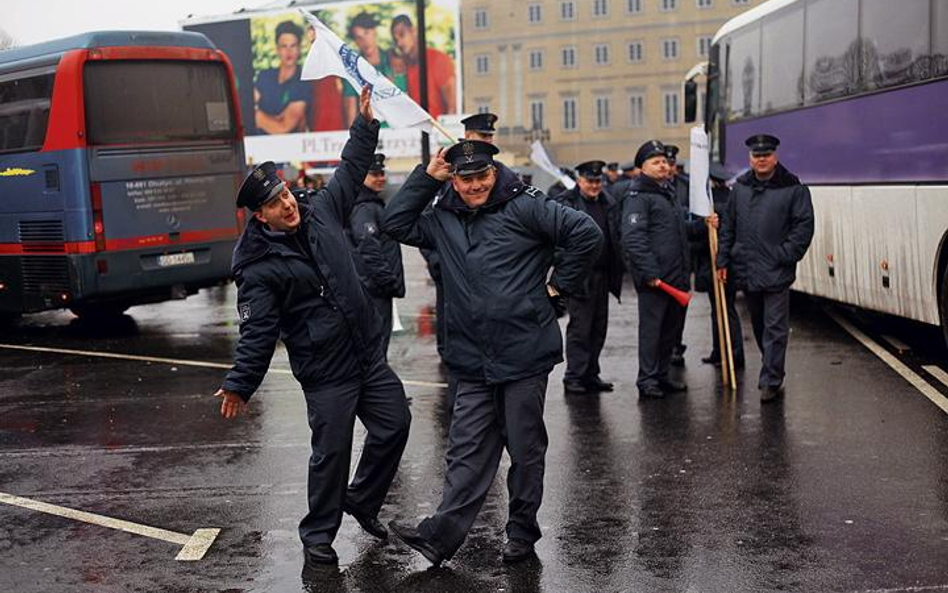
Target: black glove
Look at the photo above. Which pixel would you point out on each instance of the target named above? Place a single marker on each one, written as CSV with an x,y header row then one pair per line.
x,y
559,305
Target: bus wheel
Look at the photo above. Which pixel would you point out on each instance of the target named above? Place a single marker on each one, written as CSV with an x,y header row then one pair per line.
x,y
98,311
943,305
8,319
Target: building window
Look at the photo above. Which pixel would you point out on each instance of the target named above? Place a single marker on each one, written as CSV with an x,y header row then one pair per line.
x,y
670,101
536,114
602,112
536,59
569,114
568,10
740,2
704,3
668,5
534,13
569,56
636,51
482,64
480,18
636,110
670,49
600,7
704,46
602,53
633,6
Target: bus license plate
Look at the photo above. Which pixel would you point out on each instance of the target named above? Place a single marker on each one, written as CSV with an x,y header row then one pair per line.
x,y
176,259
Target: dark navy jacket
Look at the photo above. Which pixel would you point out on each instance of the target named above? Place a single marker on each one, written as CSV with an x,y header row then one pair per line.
x,y
309,297
500,325
378,257
655,234
613,207
767,230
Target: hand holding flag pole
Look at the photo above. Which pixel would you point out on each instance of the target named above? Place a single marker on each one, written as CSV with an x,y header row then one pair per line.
x,y
329,56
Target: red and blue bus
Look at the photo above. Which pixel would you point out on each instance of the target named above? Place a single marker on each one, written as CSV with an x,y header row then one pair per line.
x,y
120,155
857,92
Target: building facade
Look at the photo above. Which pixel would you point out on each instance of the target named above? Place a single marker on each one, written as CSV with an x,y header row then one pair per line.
x,y
591,78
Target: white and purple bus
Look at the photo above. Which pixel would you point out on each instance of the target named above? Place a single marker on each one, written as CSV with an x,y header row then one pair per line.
x,y
857,91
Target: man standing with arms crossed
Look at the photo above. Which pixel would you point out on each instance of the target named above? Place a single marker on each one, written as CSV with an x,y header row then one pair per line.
x,y
767,230
296,282
497,239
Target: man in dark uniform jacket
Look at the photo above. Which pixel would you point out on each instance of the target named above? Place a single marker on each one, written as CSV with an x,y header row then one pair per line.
x,y
377,257
497,239
589,309
767,230
480,126
296,282
681,183
611,175
655,246
703,283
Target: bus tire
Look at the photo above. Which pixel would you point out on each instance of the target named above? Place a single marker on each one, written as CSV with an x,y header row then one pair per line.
x,y
943,304
99,311
8,319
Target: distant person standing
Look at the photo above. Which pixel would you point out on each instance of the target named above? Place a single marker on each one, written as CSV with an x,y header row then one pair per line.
x,y
280,97
442,81
378,257
612,175
480,126
655,246
589,308
767,230
681,185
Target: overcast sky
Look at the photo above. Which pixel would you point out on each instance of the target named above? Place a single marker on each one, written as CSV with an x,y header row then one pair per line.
x,y
33,21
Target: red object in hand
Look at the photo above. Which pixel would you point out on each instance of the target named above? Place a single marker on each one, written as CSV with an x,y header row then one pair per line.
x,y
679,295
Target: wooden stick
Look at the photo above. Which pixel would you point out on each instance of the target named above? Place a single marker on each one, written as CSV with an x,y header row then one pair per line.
x,y
727,325
713,247
437,125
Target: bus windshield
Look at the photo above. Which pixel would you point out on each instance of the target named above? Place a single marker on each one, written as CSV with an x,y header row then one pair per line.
x,y
131,101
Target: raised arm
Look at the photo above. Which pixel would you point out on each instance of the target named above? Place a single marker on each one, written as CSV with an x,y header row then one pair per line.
x,y
346,182
365,230
405,218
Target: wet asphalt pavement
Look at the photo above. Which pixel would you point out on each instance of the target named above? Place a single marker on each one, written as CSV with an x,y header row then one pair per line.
x,y
841,487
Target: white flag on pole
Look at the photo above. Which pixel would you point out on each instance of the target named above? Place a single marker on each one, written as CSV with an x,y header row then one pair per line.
x,y
329,56
538,155
699,196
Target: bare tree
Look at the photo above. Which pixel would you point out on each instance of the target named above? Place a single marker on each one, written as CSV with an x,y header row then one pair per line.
x,y
6,40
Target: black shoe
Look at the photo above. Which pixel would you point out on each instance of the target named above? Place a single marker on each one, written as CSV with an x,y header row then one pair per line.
x,y
769,394
371,525
651,392
517,550
320,555
597,384
672,386
417,542
713,358
574,386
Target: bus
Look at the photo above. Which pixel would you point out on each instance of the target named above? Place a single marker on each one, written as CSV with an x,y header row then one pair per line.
x,y
857,91
120,156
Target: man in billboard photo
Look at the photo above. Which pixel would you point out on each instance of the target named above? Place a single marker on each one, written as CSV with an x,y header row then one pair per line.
x,y
280,98
363,30
442,80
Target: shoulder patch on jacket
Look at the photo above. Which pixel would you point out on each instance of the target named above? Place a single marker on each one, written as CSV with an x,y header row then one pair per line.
x,y
371,228
532,191
634,218
244,312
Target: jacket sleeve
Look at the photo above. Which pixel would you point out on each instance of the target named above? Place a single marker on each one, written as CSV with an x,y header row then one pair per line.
x,y
258,305
798,239
576,238
405,218
346,183
365,234
636,245
726,232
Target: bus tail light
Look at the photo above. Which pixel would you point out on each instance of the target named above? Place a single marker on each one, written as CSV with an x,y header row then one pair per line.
x,y
98,225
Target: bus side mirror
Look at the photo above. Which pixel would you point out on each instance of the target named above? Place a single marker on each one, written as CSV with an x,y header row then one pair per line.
x,y
691,101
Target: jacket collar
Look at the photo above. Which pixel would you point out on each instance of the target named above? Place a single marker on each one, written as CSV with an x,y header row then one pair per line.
x,y
782,178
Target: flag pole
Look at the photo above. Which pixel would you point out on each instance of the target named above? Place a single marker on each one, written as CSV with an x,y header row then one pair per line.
x,y
444,132
729,348
713,247
422,48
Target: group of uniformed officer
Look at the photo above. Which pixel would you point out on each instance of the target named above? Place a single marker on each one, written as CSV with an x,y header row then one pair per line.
x,y
320,272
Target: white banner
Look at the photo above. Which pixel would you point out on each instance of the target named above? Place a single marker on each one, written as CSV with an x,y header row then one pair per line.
x,y
539,156
329,56
699,191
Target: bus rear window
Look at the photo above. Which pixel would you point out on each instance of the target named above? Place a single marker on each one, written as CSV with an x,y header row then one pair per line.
x,y
139,101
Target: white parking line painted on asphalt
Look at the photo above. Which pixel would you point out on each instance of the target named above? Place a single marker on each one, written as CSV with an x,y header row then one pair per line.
x,y
908,374
937,372
172,361
194,545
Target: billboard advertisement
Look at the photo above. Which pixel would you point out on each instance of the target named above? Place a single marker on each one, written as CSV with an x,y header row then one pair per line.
x,y
290,119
